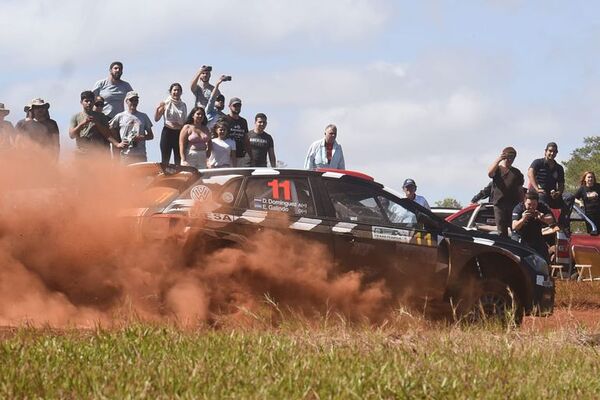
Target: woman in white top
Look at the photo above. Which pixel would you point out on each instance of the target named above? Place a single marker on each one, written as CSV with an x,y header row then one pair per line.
x,y
223,148
174,112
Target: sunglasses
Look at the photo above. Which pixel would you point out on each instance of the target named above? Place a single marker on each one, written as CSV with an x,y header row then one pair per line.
x,y
99,104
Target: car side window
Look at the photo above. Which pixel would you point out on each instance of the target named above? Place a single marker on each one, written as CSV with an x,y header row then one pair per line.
x,y
397,214
354,203
280,194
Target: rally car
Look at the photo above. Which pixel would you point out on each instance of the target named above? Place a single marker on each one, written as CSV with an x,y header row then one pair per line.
x,y
365,226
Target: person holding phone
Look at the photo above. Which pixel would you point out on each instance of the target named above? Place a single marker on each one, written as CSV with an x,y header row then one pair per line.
x,y
528,219
507,182
90,129
201,87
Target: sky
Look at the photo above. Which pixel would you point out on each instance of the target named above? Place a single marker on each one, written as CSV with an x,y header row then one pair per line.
x,y
431,90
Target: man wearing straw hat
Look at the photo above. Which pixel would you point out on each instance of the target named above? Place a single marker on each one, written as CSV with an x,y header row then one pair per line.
x,y
6,129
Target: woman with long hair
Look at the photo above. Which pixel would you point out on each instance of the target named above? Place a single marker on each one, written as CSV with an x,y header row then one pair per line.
x,y
588,194
174,112
194,141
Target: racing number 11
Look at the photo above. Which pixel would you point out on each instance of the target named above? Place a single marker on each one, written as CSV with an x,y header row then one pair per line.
x,y
285,185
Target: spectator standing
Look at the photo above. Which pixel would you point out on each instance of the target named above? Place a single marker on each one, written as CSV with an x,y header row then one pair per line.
x,y
6,129
261,143
589,195
36,128
547,178
506,189
113,89
528,219
90,129
216,104
238,131
134,128
326,153
174,112
200,87
194,140
223,148
410,191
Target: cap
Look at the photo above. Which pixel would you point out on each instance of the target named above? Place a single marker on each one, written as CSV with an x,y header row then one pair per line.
x,y
131,95
39,103
4,109
409,182
220,97
235,100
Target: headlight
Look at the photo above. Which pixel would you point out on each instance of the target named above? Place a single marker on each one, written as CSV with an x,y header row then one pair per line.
x,y
538,263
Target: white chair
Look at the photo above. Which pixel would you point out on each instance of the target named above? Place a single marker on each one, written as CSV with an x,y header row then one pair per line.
x,y
583,263
558,270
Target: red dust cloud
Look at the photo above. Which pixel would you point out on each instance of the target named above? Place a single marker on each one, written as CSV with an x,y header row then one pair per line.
x,y
68,259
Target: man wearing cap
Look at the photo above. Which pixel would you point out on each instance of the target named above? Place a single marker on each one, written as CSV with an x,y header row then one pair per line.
x,y
528,220
216,104
410,192
200,86
261,143
6,129
326,152
134,128
238,131
113,90
547,178
507,182
90,129
40,128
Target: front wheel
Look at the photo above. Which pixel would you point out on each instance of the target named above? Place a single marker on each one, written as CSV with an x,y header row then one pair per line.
x,y
490,300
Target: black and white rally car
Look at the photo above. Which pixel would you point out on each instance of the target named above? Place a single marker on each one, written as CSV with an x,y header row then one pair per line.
x,y
365,226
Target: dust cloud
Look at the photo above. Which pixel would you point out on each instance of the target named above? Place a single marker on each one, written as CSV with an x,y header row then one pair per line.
x,y
69,258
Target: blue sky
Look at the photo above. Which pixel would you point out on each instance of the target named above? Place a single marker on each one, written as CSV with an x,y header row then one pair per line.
x,y
431,90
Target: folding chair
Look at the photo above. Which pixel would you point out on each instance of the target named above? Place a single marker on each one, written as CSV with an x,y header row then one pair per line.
x,y
583,257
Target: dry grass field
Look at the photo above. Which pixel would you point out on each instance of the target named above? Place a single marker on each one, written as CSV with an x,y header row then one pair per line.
x,y
326,357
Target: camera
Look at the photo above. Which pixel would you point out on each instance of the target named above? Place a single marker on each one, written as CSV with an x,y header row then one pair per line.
x,y
226,77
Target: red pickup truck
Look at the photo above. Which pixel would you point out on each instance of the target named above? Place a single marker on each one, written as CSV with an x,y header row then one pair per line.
x,y
581,248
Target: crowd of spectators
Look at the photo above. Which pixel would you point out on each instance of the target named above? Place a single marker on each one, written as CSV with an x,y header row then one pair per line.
x,y
111,124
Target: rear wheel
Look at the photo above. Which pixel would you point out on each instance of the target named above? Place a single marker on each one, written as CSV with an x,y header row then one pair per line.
x,y
490,300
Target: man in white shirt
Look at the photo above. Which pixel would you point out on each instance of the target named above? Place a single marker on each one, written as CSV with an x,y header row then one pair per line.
x,y
326,152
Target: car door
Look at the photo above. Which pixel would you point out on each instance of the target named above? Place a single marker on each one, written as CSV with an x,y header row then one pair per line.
x,y
416,233
358,244
285,203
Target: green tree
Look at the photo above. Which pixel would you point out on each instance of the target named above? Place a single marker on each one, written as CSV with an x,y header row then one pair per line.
x,y
448,202
586,158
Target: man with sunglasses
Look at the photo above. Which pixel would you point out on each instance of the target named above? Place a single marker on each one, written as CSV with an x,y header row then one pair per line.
x,y
547,178
238,131
507,182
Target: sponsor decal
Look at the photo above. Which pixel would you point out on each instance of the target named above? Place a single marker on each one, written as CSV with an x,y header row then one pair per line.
x,y
227,197
391,234
280,205
200,193
220,217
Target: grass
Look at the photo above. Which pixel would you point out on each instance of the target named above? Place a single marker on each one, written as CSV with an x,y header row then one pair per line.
x,y
294,357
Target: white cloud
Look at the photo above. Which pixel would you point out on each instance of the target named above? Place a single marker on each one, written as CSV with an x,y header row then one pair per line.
x,y
45,32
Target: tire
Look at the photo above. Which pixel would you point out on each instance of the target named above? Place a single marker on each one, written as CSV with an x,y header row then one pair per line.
x,y
490,300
